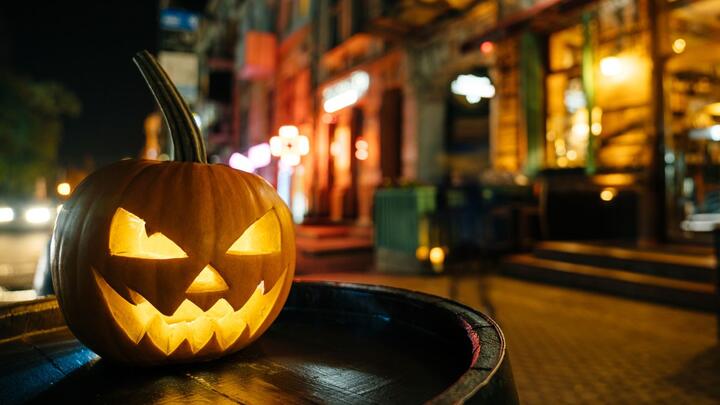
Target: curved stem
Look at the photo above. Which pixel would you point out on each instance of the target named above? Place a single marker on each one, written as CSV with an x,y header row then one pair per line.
x,y
187,140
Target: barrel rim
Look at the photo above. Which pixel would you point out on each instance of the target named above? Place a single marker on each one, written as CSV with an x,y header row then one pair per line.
x,y
478,373
475,323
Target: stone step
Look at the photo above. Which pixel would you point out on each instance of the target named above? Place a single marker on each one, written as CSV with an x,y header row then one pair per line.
x,y
664,261
689,294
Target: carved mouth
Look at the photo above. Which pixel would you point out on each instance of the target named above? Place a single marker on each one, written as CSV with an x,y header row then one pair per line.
x,y
189,323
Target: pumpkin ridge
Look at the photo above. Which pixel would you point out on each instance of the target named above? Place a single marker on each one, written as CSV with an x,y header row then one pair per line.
x,y
93,207
78,279
160,291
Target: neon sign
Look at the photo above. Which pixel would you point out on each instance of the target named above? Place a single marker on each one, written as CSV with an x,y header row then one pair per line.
x,y
474,88
346,92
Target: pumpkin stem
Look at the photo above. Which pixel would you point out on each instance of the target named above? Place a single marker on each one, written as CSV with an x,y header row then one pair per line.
x,y
187,140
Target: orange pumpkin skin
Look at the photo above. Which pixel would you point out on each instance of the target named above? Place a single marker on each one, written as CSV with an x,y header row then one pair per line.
x,y
203,209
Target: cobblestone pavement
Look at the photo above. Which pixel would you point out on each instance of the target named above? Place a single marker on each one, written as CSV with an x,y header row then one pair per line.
x,y
574,347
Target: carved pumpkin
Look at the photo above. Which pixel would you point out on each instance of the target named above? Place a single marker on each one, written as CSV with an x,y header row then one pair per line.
x,y
161,262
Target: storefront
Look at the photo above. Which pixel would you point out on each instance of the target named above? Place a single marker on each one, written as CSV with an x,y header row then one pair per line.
x,y
469,97
624,98
358,138
691,81
577,113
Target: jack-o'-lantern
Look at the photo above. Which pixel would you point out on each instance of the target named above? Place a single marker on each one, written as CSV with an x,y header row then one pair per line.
x,y
162,262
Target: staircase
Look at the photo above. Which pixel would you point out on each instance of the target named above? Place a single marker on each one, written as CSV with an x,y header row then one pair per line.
x,y
668,274
333,248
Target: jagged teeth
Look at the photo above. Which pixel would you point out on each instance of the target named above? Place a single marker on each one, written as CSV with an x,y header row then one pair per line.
x,y
187,311
220,309
201,331
159,333
229,328
189,322
136,298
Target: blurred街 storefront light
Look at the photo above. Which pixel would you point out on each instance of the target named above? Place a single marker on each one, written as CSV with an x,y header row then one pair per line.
x,y
64,189
610,66
678,45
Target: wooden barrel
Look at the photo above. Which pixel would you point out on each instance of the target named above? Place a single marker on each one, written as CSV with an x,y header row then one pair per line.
x,y
333,343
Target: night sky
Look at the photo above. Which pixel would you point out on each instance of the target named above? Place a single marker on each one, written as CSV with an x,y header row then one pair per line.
x,y
88,47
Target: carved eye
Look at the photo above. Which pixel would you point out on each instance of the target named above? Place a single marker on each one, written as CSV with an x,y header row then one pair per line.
x,y
262,237
128,238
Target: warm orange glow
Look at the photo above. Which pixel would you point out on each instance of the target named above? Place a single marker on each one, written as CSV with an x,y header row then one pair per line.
x,y
421,253
437,258
289,145
607,194
262,237
712,109
361,154
611,66
128,238
220,323
596,119
614,179
343,145
487,47
437,255
207,281
64,189
678,45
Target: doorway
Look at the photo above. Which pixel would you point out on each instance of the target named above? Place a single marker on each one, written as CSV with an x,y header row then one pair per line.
x,y
391,128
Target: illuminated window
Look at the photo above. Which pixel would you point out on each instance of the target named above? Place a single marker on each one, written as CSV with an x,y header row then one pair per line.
x,y
692,140
568,118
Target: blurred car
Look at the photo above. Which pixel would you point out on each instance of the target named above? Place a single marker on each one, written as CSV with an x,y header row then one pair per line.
x,y
42,282
27,214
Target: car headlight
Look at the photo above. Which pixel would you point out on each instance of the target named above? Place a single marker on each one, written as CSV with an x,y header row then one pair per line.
x,y
38,215
6,214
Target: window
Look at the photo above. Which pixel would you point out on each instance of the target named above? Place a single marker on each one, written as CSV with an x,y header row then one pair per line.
x,y
692,100
568,118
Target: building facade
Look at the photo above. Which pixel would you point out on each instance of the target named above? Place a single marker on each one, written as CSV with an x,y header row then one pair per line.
x,y
608,106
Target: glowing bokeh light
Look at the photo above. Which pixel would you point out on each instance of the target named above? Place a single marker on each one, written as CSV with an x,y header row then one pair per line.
x,y
487,47
260,155
611,66
6,214
345,92
38,215
64,189
607,194
241,162
678,45
474,88
289,145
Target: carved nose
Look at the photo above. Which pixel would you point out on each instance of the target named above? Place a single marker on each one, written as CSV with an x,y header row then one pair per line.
x,y
209,280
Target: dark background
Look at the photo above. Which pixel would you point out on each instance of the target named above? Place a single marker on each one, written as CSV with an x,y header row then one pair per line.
x,y
88,48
